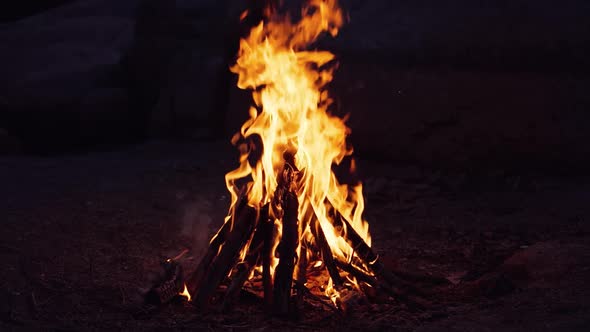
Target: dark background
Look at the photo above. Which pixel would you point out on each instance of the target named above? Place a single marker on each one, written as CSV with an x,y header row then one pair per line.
x,y
470,122
444,83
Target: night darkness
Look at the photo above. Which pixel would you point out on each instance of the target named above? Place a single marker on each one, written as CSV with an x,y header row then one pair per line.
x,y
470,122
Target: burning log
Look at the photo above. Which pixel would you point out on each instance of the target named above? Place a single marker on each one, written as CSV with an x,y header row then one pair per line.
x,y
326,252
286,250
245,268
385,279
243,226
301,274
195,279
359,274
288,205
266,226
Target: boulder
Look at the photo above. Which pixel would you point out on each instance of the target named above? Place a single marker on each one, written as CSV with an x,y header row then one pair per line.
x,y
455,118
190,78
547,264
54,63
155,41
188,101
9,144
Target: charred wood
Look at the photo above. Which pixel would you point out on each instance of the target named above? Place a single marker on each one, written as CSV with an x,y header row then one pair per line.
x,y
244,224
287,255
301,274
326,252
195,279
169,287
405,291
245,268
266,226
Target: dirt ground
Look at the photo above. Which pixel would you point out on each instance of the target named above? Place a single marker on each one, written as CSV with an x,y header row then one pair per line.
x,y
82,235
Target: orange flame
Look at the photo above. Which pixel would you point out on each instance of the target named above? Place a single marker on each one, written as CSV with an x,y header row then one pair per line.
x,y
186,293
291,113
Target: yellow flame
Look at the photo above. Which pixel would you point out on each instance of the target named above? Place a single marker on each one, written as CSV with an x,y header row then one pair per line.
x,y
291,113
332,293
186,293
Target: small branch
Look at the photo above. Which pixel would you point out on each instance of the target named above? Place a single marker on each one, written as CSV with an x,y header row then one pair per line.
x,y
326,252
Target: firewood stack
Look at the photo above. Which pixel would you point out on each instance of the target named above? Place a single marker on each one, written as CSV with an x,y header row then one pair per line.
x,y
246,240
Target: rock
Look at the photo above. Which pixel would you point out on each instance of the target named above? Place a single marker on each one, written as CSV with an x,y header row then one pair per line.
x,y
61,85
102,109
9,144
189,99
179,65
545,264
61,82
500,119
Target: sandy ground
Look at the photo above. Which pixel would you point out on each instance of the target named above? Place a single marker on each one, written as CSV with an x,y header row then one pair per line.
x,y
82,234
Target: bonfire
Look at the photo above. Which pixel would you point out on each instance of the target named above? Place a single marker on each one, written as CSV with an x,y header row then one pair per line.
x,y
290,219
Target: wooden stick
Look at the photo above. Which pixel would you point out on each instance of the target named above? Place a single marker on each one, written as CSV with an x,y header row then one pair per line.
x,y
404,290
326,252
303,262
243,227
194,281
285,205
287,252
356,242
360,247
359,274
327,303
401,294
301,274
266,226
244,268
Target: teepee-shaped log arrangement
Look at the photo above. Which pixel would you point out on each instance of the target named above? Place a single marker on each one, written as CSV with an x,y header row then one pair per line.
x,y
246,240
285,220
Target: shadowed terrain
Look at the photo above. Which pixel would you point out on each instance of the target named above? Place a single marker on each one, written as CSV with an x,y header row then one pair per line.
x,y
81,235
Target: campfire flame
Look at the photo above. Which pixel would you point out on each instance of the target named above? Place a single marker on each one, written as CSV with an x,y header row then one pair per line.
x,y
186,293
291,115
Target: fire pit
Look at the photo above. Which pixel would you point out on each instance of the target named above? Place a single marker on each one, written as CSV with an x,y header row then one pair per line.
x,y
291,219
